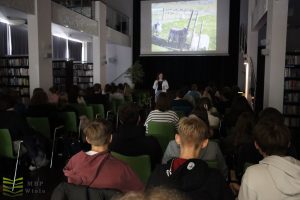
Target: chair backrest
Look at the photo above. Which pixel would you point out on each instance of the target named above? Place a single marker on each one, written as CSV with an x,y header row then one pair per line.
x,y
141,165
41,125
84,110
70,122
164,132
98,110
6,146
115,104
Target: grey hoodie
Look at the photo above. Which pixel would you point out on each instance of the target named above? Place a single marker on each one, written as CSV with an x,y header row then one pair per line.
x,y
274,178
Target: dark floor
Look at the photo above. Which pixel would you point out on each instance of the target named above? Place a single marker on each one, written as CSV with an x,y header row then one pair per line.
x,y
37,185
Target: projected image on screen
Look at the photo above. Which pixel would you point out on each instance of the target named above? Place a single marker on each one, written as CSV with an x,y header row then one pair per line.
x,y
184,26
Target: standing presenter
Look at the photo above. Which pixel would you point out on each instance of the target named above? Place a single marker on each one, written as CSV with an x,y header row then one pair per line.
x,y
160,85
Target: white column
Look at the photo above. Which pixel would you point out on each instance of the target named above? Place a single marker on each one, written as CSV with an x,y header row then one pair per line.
x,y
40,46
275,61
99,45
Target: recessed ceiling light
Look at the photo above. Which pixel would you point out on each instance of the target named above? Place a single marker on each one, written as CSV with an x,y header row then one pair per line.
x,y
81,31
66,26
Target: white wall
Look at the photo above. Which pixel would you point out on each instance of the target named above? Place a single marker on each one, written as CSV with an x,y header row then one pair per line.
x,y
119,59
26,6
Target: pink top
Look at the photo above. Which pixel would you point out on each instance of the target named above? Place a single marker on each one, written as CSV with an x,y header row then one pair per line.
x,y
101,170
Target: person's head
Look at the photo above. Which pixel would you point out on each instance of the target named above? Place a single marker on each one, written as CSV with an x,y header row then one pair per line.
x,y
205,102
160,76
98,133
271,138
201,112
180,93
97,88
271,114
192,135
54,90
63,99
163,102
120,87
244,127
39,97
129,114
155,193
37,90
194,87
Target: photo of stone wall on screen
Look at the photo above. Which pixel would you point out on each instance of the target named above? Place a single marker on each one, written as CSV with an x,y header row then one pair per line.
x,y
184,26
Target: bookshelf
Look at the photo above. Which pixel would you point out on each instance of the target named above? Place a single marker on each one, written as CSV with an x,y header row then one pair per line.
x,y
83,74
68,73
291,102
14,74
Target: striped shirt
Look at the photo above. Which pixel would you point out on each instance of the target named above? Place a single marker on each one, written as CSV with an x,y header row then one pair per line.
x,y
159,116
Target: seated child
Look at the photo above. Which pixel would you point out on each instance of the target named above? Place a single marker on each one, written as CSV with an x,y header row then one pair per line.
x,y
97,168
187,173
277,175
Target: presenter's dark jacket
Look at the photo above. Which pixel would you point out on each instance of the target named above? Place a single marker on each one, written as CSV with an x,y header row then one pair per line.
x,y
194,178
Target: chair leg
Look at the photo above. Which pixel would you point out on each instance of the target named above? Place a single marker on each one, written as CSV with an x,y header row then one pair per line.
x,y
16,168
53,144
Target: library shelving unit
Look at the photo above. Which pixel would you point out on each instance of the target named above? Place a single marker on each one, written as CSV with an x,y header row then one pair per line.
x,y
83,74
291,102
69,73
14,74
62,74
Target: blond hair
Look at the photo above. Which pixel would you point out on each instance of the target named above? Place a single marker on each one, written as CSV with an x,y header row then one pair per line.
x,y
98,133
192,130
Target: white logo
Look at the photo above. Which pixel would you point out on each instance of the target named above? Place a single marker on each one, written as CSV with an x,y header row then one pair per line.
x,y
190,166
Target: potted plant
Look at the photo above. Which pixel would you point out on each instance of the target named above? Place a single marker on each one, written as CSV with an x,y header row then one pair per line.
x,y
135,73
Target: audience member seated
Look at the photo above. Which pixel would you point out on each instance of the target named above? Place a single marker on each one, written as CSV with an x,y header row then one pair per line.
x,y
39,107
19,130
277,176
210,152
239,105
156,193
180,104
162,113
130,137
187,173
97,168
223,100
240,149
194,93
97,97
116,92
64,106
75,95
53,95
212,112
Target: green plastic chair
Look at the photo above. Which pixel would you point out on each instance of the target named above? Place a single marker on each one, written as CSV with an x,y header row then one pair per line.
x,y
164,132
98,110
6,146
84,110
212,164
115,104
6,150
141,165
70,122
41,125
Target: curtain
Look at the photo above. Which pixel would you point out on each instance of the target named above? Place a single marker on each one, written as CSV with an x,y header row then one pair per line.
x,y
3,39
59,48
75,49
19,40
